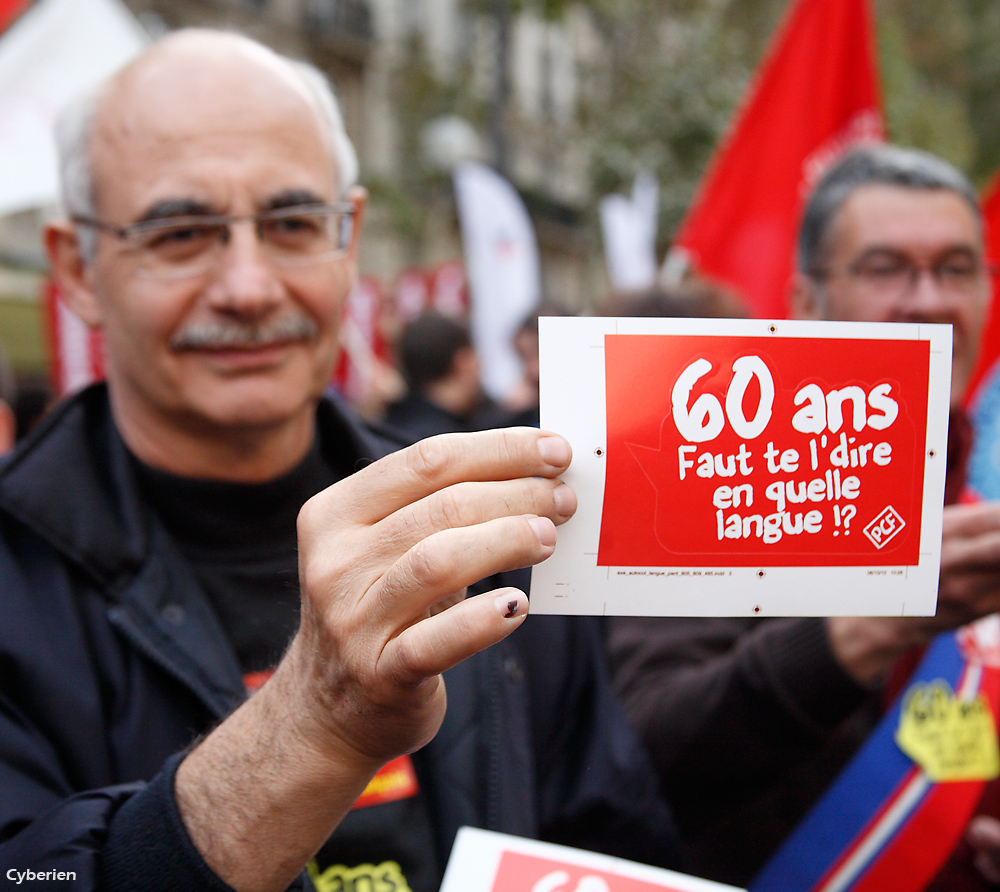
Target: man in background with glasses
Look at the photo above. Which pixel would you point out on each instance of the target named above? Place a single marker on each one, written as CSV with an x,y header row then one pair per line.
x,y
150,572
888,235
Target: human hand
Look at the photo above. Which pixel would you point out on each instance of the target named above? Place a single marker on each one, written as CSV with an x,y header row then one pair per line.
x,y
380,549
969,588
970,565
984,837
383,557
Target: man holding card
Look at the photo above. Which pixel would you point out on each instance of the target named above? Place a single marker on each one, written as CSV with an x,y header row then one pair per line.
x,y
158,533
749,721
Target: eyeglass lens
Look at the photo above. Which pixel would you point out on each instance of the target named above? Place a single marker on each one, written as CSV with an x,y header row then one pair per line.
x,y
958,273
193,246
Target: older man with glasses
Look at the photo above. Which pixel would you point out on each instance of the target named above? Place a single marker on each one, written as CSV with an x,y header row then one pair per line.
x,y
151,575
749,721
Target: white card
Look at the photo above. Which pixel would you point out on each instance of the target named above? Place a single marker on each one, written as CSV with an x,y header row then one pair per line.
x,y
484,861
734,467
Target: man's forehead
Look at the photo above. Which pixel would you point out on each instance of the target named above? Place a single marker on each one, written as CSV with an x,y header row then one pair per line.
x,y
184,84
913,221
195,56
166,117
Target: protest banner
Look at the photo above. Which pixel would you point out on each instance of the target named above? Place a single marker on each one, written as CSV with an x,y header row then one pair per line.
x,y
814,96
501,258
731,467
485,861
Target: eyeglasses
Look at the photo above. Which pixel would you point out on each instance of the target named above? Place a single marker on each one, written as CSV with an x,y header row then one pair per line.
x,y
890,275
180,247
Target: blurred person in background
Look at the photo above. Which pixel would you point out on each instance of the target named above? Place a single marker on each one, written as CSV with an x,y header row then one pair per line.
x,y
691,299
442,373
522,403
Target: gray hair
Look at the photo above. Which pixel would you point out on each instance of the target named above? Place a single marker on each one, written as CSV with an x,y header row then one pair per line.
x,y
874,164
321,90
75,125
73,130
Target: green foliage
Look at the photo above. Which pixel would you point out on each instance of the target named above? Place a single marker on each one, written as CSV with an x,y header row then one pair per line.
x,y
941,78
419,95
674,75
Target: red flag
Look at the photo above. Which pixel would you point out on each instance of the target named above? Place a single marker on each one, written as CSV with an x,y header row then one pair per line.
x,y
10,10
815,94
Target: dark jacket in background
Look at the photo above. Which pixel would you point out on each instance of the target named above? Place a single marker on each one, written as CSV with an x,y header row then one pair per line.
x,y
414,417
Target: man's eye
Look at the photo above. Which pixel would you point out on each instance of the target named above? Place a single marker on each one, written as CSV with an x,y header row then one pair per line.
x,y
957,269
181,236
303,224
886,270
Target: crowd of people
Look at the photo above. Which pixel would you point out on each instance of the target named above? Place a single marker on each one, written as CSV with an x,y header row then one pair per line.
x,y
228,605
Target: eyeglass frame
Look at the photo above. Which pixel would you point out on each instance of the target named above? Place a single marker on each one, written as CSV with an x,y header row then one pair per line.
x,y
225,221
983,270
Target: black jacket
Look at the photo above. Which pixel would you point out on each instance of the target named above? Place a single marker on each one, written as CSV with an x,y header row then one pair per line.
x,y
112,662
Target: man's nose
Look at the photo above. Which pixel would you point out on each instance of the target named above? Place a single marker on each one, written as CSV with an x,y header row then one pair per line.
x,y
245,279
925,298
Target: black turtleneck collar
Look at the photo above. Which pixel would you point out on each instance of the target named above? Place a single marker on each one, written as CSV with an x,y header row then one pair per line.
x,y
236,519
240,540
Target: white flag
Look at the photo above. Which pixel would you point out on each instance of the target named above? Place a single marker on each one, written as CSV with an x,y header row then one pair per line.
x,y
501,255
56,50
629,228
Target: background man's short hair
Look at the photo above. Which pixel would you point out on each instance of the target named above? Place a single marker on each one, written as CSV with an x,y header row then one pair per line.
x,y
875,164
692,299
428,347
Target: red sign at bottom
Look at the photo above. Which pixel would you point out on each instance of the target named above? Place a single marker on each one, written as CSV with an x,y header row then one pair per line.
x,y
525,873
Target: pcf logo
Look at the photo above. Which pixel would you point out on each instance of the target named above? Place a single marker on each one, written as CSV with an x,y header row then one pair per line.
x,y
885,527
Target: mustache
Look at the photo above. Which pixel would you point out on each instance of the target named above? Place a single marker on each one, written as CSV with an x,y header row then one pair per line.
x,y
222,335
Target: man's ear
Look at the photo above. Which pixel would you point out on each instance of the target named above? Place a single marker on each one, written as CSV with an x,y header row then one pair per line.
x,y
8,427
357,196
806,301
70,271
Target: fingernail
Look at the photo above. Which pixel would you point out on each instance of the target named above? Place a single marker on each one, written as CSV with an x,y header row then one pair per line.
x,y
511,604
555,451
545,529
564,498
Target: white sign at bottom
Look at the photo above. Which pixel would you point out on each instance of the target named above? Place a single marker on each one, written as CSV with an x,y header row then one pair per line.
x,y
483,861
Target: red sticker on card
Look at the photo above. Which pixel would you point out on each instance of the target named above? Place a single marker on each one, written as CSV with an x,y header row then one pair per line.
x,y
746,451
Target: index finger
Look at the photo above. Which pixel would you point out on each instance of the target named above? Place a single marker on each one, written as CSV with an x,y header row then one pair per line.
x,y
971,520
414,473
